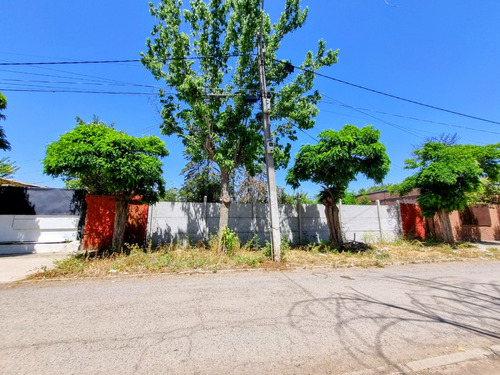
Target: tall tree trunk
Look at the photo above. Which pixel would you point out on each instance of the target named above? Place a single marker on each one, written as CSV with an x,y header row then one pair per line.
x,y
121,216
333,220
446,228
224,204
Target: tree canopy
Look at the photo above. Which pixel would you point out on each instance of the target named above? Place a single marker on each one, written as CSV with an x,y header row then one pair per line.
x,y
374,188
200,180
448,175
4,144
337,158
206,55
7,168
489,193
107,161
110,162
335,161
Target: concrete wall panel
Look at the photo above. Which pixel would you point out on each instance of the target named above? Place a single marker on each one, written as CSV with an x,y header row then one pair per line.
x,y
20,233
360,222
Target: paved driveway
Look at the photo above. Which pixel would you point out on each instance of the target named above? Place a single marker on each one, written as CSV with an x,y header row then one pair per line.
x,y
17,267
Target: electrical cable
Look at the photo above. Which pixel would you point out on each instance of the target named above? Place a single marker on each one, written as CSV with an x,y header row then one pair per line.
x,y
114,61
239,55
405,117
67,62
393,96
80,83
309,135
96,79
82,92
121,83
402,128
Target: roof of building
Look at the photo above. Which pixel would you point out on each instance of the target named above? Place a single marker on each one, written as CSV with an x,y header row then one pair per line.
x,y
10,182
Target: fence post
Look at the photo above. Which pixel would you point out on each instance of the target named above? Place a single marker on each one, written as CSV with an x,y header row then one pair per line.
x,y
149,234
400,219
299,218
342,223
379,221
205,208
254,217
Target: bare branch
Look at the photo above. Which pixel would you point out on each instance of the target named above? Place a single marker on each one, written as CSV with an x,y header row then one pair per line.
x,y
391,5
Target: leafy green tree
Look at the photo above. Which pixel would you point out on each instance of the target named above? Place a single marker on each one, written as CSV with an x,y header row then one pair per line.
x,y
447,176
201,180
206,54
109,162
7,168
350,198
285,198
489,193
374,189
335,161
4,144
74,183
171,195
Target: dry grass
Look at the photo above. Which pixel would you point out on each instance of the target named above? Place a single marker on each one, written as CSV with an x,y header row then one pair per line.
x,y
172,259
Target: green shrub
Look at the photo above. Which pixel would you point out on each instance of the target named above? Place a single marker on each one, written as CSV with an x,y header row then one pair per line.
x,y
285,246
230,242
252,260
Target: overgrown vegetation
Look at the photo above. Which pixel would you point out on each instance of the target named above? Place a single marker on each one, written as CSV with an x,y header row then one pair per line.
x,y
174,258
448,176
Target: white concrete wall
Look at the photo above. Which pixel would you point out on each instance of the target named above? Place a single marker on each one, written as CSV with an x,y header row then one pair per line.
x,y
196,221
362,223
38,233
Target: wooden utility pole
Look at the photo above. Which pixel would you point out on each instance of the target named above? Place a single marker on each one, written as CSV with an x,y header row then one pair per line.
x,y
269,151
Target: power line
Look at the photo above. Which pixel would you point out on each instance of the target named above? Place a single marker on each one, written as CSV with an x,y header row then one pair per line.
x,y
115,61
250,90
80,83
92,79
393,96
309,135
239,55
121,83
68,62
102,79
402,128
406,117
82,91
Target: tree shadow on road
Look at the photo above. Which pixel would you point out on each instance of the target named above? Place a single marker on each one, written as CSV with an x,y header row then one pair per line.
x,y
374,331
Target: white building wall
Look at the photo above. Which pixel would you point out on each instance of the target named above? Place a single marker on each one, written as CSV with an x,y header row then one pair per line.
x,y
38,233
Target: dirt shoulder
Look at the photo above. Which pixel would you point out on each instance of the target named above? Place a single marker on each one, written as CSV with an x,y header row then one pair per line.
x,y
170,259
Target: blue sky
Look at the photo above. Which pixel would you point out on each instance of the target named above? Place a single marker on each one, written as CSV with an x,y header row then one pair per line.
x,y
444,53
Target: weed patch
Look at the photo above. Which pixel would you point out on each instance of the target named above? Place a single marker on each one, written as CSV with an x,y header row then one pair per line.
x,y
200,257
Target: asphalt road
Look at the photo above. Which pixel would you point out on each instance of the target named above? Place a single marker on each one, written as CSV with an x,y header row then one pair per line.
x,y
318,321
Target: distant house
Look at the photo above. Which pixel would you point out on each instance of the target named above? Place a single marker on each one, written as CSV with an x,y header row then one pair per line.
x,y
9,182
390,200
479,222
